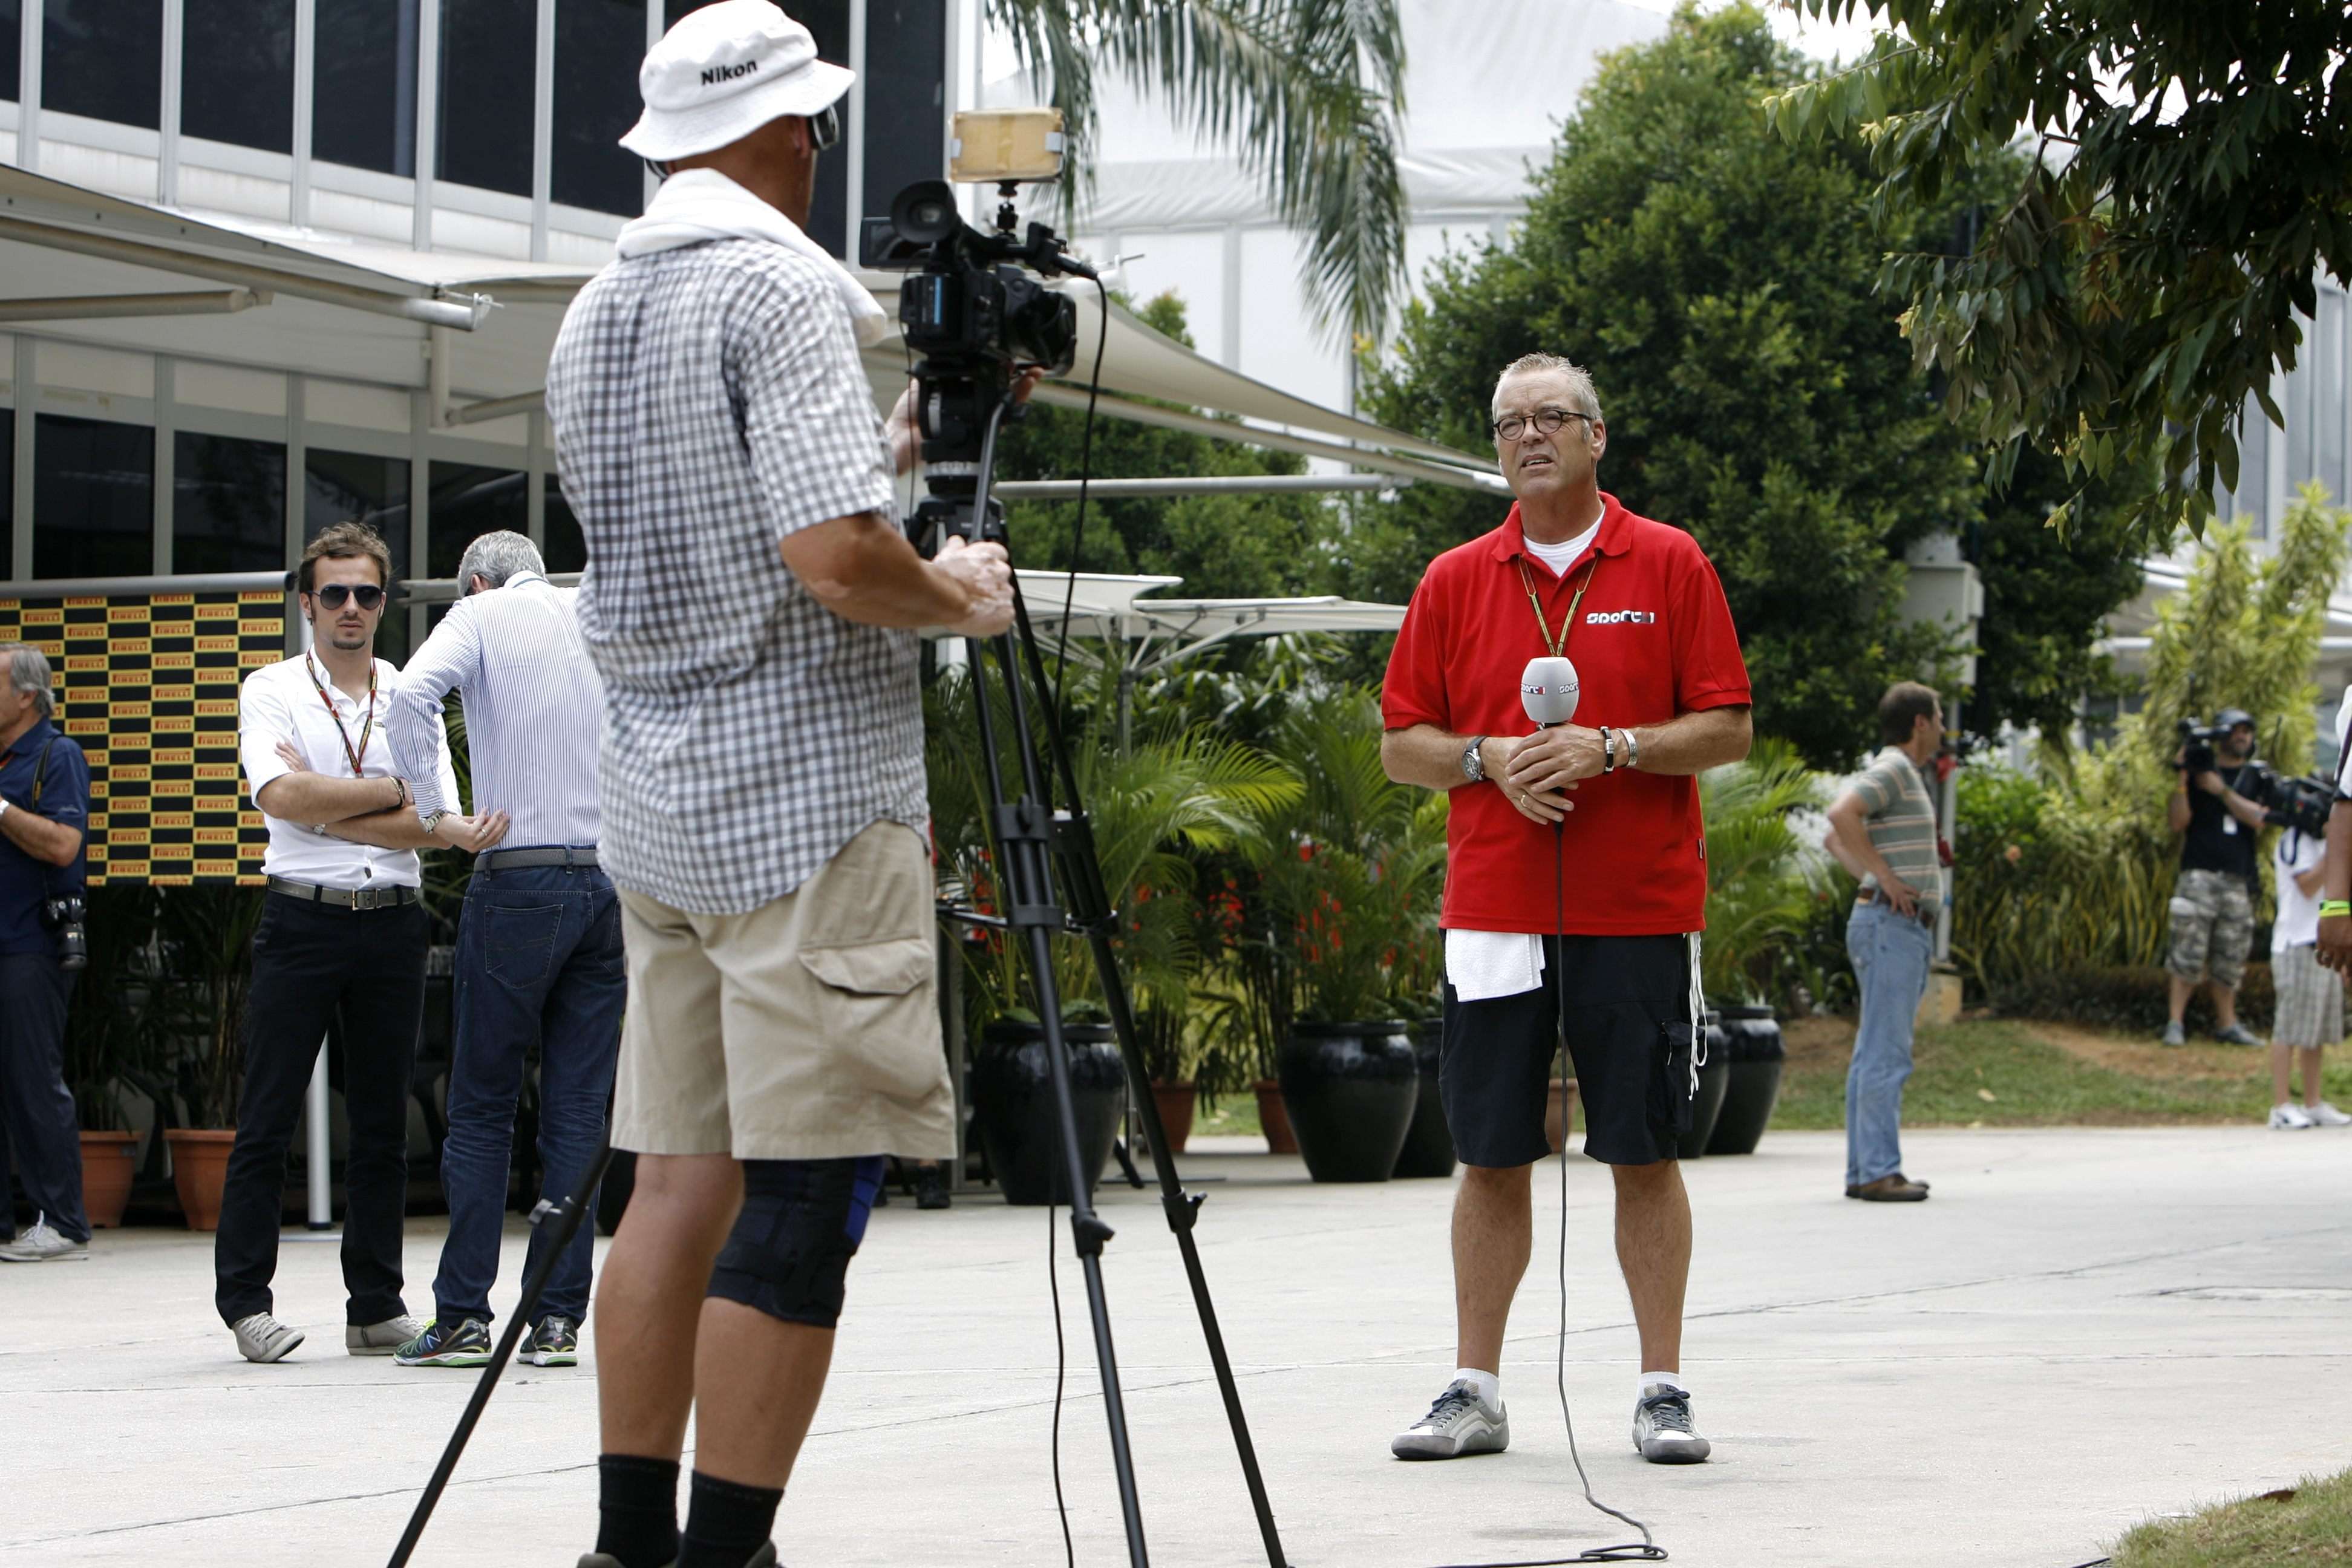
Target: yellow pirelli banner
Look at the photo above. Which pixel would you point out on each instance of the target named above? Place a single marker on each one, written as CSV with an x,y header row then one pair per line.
x,y
149,683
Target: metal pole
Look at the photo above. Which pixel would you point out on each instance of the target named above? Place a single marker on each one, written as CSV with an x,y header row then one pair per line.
x,y
1948,807
321,1148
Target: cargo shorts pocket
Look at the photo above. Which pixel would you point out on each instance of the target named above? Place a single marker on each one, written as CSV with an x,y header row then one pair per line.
x,y
1670,1082
877,1005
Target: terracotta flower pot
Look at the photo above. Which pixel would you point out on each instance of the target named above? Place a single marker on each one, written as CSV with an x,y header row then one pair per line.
x,y
1274,1117
108,1161
1554,1123
1175,1101
199,1168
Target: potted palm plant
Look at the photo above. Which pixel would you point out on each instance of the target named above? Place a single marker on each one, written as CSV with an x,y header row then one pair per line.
x,y
112,1046
207,936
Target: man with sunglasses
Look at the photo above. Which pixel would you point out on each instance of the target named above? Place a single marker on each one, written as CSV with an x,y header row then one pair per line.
x,y
1576,877
340,941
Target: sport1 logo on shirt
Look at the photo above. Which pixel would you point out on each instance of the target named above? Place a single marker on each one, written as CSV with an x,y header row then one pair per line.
x,y
1621,618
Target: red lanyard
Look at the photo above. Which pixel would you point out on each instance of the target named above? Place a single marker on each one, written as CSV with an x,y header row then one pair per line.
x,y
1558,645
366,729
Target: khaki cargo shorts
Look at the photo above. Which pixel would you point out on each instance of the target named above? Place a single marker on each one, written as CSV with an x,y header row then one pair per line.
x,y
806,1029
2212,927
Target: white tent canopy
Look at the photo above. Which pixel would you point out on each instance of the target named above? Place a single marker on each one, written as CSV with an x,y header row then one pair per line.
x,y
476,331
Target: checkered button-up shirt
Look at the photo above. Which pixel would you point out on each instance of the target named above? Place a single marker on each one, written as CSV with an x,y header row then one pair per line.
x,y
707,401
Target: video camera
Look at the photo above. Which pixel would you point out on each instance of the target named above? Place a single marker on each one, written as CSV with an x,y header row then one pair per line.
x,y
974,306
2300,805
66,915
2198,741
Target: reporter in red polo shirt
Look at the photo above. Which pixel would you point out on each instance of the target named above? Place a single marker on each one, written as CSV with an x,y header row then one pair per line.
x,y
1636,606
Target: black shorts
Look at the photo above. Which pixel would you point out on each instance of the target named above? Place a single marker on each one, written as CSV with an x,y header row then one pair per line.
x,y
1629,1038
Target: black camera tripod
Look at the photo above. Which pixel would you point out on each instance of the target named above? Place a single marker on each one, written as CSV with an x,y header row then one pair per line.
x,y
1032,838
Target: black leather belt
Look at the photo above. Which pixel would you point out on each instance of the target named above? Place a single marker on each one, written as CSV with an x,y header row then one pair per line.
x,y
346,897
1926,914
513,859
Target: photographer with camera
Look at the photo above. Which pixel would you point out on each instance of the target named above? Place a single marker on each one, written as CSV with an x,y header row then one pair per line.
x,y
2217,807
750,604
44,814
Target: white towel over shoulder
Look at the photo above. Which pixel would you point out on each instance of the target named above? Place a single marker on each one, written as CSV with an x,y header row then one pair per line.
x,y
1484,964
697,205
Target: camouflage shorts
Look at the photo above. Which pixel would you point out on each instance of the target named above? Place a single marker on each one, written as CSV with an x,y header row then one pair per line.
x,y
2212,926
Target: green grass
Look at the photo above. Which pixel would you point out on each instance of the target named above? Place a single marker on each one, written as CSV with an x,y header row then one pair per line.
x,y
1235,1116
2309,1524
2001,1072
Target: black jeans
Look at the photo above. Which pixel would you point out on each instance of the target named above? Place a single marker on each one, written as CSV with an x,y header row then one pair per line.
x,y
39,1123
311,963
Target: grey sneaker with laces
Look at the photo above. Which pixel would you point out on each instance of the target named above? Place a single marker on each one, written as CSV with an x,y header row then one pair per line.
x,y
381,1339
44,1242
1662,1427
262,1338
554,1341
2237,1035
1459,1423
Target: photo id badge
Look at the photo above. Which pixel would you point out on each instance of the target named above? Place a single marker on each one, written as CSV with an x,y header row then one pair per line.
x,y
2230,826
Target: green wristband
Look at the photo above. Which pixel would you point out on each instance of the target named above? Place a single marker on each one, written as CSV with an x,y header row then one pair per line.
x,y
2334,908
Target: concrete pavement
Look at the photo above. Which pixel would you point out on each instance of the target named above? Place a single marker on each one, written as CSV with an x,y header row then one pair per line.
x,y
2082,1328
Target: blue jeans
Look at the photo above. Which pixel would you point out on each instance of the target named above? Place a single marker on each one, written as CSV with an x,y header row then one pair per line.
x,y
1891,958
539,963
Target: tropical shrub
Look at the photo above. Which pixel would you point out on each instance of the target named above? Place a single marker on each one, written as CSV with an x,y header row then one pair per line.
x,y
1762,882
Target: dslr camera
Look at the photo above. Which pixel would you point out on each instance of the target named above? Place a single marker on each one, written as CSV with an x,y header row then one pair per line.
x,y
64,915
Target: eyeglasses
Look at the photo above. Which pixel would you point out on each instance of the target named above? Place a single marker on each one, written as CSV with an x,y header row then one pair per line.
x,y
334,595
825,127
1547,421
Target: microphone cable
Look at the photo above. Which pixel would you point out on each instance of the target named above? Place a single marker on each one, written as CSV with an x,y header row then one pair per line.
x,y
1645,1550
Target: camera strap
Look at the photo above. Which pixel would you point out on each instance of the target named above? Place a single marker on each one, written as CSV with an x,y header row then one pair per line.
x,y
41,769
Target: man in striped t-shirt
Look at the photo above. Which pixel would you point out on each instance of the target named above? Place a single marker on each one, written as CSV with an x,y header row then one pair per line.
x,y
1882,830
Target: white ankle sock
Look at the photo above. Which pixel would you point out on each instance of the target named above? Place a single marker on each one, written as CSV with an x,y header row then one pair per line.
x,y
1486,1386
1672,1379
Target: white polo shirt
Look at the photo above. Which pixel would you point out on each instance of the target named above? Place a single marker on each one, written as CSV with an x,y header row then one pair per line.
x,y
278,702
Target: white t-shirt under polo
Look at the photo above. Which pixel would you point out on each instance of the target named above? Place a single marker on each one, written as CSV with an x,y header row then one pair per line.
x,y
278,702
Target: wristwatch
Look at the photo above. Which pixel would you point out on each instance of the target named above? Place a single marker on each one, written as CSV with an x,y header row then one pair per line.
x,y
432,819
1474,767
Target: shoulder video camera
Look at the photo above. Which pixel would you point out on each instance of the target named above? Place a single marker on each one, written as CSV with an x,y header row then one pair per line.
x,y
2300,805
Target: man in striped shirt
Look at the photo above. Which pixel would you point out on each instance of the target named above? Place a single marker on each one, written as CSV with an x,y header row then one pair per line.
x,y
1882,830
538,946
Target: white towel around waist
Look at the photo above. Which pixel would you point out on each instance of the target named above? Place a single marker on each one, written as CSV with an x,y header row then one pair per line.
x,y
1484,964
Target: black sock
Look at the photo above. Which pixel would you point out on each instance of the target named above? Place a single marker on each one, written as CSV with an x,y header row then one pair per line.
x,y
638,1510
726,1522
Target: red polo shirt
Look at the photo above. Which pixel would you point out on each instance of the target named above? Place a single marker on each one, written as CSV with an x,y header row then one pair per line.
x,y
1653,639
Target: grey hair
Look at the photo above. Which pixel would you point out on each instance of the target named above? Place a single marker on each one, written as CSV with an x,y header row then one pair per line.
x,y
1579,380
29,670
495,557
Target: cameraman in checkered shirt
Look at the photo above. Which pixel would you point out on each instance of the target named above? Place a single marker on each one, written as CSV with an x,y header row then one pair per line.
x,y
750,605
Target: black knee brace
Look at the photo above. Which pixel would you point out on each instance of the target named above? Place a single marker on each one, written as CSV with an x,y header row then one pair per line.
x,y
789,1252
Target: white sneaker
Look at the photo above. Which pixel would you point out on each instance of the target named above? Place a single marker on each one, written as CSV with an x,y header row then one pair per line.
x,y
381,1339
1459,1423
2325,1115
44,1244
2289,1117
262,1338
1662,1428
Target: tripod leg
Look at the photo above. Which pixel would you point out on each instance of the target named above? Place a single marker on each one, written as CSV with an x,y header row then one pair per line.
x,y
567,1216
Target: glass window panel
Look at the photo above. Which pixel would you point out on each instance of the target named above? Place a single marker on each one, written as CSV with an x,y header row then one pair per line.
x,y
906,66
363,110
567,548
358,486
12,18
8,490
236,72
468,502
2328,396
93,498
2254,497
598,44
228,504
489,50
104,58
2300,382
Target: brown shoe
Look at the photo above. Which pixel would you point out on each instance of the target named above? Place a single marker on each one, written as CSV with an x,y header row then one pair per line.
x,y
1891,1189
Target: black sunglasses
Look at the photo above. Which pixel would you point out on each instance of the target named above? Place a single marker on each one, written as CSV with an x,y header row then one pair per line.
x,y
825,127
335,594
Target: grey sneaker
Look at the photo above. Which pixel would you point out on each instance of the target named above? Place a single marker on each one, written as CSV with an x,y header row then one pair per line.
x,y
2237,1035
1662,1428
1459,1423
2173,1034
45,1243
465,1343
554,1341
382,1339
262,1338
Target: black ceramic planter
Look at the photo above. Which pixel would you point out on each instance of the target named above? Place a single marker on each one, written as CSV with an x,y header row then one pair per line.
x,y
1714,1079
1428,1147
1350,1089
1013,1105
1750,1039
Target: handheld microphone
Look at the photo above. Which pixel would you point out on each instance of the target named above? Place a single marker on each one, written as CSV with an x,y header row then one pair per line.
x,y
1549,690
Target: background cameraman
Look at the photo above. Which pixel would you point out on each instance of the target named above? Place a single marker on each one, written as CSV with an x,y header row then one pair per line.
x,y
44,807
2310,1014
2213,901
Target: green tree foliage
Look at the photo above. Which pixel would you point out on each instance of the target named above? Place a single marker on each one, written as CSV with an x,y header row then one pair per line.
x,y
2137,286
1233,546
1716,282
1308,94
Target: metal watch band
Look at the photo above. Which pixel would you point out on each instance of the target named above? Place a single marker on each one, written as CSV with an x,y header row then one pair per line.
x,y
1474,766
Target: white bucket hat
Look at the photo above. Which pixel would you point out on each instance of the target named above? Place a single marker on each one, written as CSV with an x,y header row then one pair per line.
x,y
724,71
